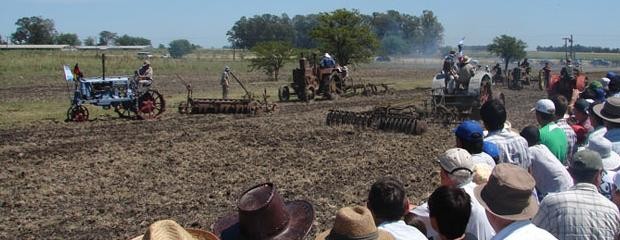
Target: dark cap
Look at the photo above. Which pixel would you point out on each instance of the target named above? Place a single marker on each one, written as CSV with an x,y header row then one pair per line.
x,y
582,105
586,160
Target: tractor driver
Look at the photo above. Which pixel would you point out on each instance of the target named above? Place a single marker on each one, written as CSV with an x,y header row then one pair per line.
x,y
466,72
449,71
145,74
327,61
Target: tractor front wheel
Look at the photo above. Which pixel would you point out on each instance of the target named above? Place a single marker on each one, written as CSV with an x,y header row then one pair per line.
x,y
77,113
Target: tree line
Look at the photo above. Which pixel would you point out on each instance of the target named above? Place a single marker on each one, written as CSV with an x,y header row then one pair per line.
x,y
39,30
396,33
579,48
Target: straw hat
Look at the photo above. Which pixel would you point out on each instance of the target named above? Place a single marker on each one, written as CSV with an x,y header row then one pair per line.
x,y
354,223
263,214
466,59
610,110
170,230
146,62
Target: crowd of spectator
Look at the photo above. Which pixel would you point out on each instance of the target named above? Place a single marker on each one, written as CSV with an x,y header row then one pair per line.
x,y
553,180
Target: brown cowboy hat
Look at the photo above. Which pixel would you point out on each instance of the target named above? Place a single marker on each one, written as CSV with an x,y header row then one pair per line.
x,y
263,214
354,223
508,193
610,110
168,229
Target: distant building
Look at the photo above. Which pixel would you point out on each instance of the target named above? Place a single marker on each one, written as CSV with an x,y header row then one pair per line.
x,y
68,47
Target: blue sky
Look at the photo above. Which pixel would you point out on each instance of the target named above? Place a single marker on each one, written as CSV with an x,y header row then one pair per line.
x,y
205,22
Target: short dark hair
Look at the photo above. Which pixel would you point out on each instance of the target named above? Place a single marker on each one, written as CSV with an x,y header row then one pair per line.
x,y
473,147
386,199
493,114
583,176
531,134
547,117
451,207
561,104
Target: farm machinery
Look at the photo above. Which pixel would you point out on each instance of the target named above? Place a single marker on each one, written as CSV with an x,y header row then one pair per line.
x,y
129,96
400,118
441,108
248,105
311,80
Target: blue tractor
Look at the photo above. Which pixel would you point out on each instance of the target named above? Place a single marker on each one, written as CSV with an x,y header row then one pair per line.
x,y
127,95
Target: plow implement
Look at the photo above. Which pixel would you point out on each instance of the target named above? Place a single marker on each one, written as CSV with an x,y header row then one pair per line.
x,y
397,119
248,105
229,106
367,89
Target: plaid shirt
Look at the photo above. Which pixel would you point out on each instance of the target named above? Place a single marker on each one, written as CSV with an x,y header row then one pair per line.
x,y
579,213
512,147
571,137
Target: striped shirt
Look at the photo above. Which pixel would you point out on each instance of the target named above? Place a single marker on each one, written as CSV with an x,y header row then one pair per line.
x,y
571,137
579,213
512,147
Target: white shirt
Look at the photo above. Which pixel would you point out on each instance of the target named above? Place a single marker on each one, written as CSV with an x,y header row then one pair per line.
x,y
483,157
522,230
401,231
512,147
548,171
478,224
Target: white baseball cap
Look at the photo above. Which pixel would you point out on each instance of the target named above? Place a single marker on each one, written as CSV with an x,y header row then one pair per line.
x,y
544,106
456,159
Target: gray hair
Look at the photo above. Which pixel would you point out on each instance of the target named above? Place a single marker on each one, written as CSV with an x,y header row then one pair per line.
x,y
461,177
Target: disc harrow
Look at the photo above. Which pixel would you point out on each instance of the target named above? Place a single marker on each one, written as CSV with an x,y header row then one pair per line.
x,y
396,119
247,105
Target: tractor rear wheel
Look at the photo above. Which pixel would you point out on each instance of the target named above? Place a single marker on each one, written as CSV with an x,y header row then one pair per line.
x,y
151,104
77,113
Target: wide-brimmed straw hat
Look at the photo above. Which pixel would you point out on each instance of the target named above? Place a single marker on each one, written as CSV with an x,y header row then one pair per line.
x,y
263,214
354,223
466,59
610,110
508,193
168,229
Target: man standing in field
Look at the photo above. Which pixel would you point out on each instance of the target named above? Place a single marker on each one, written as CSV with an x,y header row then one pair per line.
x,y
225,83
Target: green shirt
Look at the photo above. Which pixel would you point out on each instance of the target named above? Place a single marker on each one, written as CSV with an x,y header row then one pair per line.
x,y
554,138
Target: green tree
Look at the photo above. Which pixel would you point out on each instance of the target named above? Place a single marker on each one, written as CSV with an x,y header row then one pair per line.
x,y
271,57
161,46
34,30
303,25
345,34
106,38
181,47
508,48
89,41
68,39
247,32
127,40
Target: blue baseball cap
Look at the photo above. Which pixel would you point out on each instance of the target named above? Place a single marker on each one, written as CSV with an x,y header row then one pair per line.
x,y
469,131
610,74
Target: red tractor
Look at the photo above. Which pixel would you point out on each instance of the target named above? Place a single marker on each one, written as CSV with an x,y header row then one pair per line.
x,y
310,80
